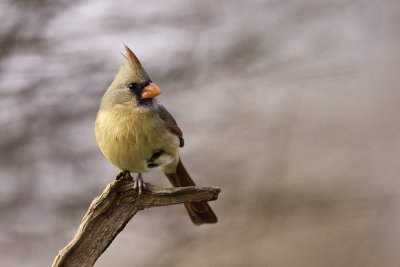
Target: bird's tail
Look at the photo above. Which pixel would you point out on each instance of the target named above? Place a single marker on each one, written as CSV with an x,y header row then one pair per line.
x,y
199,212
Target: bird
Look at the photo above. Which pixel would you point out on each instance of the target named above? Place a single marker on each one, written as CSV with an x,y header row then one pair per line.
x,y
137,134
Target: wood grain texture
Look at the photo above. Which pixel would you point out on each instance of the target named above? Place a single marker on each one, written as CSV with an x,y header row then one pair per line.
x,y
113,209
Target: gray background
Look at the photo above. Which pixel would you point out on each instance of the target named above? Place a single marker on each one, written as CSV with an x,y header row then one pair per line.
x,y
291,107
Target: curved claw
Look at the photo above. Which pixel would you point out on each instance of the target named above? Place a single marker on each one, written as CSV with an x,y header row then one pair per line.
x,y
139,184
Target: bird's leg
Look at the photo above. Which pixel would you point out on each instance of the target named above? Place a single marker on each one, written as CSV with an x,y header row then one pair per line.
x,y
124,175
139,183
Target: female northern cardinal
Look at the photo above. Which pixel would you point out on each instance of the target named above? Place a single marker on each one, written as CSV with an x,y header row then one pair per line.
x,y
136,134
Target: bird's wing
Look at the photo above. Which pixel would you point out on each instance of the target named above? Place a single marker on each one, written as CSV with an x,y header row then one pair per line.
x,y
170,123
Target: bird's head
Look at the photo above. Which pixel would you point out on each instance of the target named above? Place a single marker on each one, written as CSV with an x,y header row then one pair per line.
x,y
132,85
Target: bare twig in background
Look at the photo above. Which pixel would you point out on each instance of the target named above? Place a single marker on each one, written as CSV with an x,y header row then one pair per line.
x,y
112,210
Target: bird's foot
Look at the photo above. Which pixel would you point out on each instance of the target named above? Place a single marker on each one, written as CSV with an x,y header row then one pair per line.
x,y
139,184
124,175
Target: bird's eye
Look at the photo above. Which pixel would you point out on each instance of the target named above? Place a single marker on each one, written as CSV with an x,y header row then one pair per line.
x,y
133,86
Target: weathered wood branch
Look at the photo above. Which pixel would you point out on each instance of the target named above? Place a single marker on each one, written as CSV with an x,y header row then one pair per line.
x,y
112,210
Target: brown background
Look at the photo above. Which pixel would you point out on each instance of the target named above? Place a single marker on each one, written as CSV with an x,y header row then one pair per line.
x,y
291,107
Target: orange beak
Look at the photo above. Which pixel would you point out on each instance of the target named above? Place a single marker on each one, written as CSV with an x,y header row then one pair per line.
x,y
151,91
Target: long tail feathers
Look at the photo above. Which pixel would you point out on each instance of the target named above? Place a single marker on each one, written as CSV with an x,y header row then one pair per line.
x,y
199,212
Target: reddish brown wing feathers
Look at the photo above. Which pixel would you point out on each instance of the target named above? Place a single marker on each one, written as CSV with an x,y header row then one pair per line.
x,y
199,212
170,123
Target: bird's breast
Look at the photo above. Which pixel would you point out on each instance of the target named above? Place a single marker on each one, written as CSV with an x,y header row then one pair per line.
x,y
129,139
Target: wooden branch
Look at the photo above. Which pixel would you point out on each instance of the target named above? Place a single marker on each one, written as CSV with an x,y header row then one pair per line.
x,y
112,210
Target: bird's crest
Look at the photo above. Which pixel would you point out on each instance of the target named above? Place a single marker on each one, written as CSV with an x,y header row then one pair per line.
x,y
131,57
135,67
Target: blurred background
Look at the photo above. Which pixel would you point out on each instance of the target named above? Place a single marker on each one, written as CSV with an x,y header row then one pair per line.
x,y
291,107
